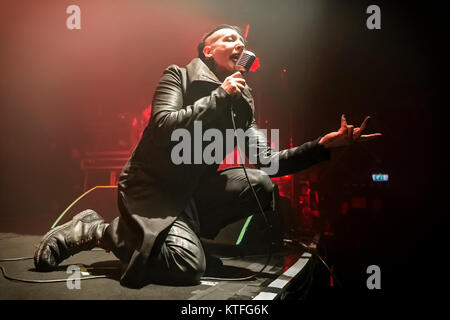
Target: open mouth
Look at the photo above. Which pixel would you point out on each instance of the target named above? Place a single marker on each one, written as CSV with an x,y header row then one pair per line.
x,y
235,57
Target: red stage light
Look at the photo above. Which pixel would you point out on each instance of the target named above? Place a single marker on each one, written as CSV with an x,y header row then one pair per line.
x,y
147,111
359,202
255,66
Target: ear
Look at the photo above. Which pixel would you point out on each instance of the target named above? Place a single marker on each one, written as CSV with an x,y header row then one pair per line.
x,y
207,52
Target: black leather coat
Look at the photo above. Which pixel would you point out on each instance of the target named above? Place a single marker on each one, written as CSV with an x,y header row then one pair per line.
x,y
152,190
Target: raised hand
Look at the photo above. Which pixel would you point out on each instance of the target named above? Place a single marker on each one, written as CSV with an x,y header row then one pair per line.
x,y
347,135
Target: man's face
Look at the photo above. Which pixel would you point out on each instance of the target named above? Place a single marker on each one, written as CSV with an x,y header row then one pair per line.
x,y
225,47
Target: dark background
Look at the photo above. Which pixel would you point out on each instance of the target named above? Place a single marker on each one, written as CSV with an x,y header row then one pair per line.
x,y
65,92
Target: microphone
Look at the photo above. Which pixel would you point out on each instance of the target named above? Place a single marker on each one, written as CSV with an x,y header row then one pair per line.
x,y
245,61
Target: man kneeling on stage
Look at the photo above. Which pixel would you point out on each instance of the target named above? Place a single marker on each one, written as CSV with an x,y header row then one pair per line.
x,y
164,207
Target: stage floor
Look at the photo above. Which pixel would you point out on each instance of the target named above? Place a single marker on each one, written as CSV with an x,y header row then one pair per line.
x,y
286,273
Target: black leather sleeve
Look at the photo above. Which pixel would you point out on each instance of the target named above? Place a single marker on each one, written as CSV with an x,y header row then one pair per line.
x,y
169,112
288,161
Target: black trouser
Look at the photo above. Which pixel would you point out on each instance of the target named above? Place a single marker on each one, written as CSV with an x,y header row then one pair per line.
x,y
223,198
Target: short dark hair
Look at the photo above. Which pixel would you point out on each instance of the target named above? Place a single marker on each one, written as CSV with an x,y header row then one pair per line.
x,y
201,45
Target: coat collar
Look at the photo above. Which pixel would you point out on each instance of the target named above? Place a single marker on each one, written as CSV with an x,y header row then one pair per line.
x,y
197,70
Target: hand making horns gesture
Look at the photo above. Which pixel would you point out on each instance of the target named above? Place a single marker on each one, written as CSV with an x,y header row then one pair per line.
x,y
347,135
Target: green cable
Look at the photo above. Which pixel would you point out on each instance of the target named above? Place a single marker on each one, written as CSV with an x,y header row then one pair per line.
x,y
244,229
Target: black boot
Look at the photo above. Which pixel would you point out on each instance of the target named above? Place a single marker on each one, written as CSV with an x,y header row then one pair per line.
x,y
83,232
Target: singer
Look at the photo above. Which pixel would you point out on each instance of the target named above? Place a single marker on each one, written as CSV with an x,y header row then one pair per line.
x,y
164,207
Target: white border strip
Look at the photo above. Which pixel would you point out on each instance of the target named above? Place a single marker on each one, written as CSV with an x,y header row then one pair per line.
x,y
285,278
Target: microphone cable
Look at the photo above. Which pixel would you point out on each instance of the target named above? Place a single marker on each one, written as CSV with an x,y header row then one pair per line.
x,y
6,276
207,278
269,226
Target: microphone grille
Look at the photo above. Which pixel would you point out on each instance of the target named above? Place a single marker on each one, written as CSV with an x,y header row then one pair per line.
x,y
246,60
